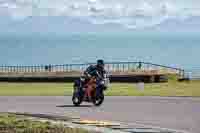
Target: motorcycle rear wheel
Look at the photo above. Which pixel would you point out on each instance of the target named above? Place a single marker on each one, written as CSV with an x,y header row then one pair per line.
x,y
76,98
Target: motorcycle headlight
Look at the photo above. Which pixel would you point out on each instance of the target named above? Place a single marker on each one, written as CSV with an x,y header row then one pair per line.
x,y
82,79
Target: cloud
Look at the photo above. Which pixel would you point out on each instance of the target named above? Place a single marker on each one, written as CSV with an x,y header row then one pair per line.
x,y
128,13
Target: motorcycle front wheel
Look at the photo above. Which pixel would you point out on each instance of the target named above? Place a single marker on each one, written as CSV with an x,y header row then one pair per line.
x,y
97,101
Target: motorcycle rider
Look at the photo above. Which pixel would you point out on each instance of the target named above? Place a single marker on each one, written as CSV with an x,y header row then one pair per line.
x,y
98,71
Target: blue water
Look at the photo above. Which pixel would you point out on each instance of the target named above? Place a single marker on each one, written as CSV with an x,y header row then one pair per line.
x,y
178,50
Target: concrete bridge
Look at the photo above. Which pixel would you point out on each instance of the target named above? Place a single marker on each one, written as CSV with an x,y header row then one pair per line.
x,y
118,71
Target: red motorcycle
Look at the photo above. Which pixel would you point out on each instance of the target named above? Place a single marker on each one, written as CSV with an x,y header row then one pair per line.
x,y
92,91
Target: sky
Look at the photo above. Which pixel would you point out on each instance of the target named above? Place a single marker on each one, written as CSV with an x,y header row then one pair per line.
x,y
98,15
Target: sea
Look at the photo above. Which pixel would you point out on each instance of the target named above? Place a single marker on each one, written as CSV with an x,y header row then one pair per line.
x,y
171,49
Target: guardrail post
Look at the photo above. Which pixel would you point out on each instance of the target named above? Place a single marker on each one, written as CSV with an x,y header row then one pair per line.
x,y
31,69
70,68
108,67
25,69
65,68
41,68
8,68
112,67
22,68
118,67
128,66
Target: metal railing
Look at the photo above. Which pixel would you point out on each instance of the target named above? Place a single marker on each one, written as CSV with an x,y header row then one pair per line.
x,y
109,66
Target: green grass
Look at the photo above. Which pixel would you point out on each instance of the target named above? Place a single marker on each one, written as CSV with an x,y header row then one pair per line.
x,y
35,89
172,88
157,89
10,123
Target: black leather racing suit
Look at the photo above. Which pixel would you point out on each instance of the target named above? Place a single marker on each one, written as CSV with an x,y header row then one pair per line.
x,y
98,72
95,71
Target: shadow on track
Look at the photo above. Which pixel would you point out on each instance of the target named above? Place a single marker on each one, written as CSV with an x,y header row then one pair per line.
x,y
71,106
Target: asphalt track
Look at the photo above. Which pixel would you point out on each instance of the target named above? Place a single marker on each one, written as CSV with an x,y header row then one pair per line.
x,y
179,113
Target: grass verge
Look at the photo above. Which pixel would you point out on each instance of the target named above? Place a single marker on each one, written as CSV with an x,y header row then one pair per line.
x,y
10,123
171,88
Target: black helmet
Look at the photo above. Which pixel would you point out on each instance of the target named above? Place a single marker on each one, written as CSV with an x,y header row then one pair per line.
x,y
100,62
